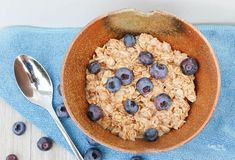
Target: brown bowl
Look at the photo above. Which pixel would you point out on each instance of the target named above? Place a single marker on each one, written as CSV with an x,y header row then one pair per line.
x,y
166,27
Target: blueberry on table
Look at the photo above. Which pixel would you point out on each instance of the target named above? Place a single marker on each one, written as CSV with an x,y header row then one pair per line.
x,y
113,84
125,75
189,66
11,157
137,158
151,134
130,106
94,112
162,101
61,111
129,40
144,85
45,143
146,58
19,128
158,71
94,67
93,154
92,142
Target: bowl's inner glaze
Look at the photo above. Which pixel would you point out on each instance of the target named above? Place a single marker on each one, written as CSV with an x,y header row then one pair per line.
x,y
179,35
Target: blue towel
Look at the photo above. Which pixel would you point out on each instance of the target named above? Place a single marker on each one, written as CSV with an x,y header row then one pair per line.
x,y
48,46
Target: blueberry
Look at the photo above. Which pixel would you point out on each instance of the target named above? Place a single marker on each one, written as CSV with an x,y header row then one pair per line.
x,y
19,128
59,90
146,58
158,71
137,158
61,111
94,67
144,85
94,112
113,84
162,101
130,106
189,66
129,40
125,75
92,142
11,157
44,143
93,154
151,134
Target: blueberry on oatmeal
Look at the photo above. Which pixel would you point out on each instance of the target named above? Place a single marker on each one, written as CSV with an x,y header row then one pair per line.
x,y
125,75
129,40
94,67
189,66
94,112
150,134
144,85
113,84
130,106
158,71
146,58
162,101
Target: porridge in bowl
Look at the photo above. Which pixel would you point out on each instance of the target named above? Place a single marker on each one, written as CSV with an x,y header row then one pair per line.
x,y
139,87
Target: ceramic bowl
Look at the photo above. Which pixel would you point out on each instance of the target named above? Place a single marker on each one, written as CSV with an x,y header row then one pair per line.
x,y
166,27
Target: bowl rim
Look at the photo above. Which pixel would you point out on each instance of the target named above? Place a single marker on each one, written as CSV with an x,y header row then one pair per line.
x,y
149,150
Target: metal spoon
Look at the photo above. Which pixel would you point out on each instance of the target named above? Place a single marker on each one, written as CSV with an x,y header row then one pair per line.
x,y
36,86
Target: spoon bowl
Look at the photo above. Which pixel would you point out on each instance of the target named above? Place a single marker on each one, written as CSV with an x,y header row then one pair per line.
x,y
33,81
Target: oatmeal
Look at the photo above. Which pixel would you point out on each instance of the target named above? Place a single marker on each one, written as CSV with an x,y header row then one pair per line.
x,y
139,87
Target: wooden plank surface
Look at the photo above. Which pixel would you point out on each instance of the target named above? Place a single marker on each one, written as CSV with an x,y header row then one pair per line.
x,y
25,146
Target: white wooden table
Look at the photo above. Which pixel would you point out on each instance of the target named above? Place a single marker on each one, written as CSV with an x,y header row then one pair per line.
x,y
76,13
24,146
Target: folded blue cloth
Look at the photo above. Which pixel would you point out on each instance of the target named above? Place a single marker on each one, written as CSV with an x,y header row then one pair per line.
x,y
48,46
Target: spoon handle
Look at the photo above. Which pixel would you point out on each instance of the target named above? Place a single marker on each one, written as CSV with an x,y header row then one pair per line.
x,y
66,136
